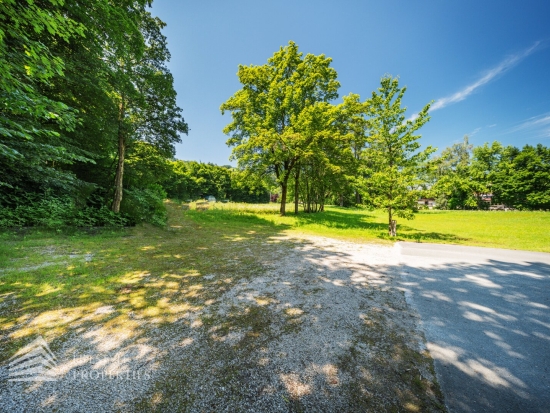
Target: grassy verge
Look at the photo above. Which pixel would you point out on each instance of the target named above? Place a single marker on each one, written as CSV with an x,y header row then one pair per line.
x,y
53,284
512,230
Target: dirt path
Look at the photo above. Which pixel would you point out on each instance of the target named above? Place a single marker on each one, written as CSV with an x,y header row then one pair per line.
x,y
299,325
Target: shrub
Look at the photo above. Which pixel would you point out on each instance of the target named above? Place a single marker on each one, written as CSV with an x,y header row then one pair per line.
x,y
145,205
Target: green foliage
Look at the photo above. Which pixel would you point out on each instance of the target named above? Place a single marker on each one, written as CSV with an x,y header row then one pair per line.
x,y
145,205
190,180
392,162
454,186
270,130
32,125
145,165
518,178
81,82
55,213
328,160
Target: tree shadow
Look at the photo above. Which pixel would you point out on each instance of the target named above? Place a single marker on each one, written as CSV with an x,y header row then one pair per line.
x,y
205,314
364,221
420,236
487,326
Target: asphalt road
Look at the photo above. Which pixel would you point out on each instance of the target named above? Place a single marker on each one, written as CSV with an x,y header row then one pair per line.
x,y
486,316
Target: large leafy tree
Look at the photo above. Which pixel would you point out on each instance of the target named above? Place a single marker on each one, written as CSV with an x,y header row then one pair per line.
x,y
116,76
111,30
393,160
32,125
268,132
82,83
146,98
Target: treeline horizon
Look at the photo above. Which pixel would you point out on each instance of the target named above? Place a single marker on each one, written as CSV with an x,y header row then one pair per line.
x,y
459,178
288,127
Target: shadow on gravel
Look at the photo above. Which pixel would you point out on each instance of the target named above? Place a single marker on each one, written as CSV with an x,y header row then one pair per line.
x,y
488,328
207,316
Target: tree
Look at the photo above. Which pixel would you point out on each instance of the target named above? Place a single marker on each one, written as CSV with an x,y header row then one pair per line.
x,y
88,85
354,125
455,187
268,132
392,162
32,125
147,108
82,83
519,178
324,164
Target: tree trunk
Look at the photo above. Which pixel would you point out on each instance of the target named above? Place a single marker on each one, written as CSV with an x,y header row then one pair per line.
x,y
117,198
357,198
341,200
283,198
296,197
392,228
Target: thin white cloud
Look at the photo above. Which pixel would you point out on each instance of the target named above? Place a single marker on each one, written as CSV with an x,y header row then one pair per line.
x,y
492,126
533,122
536,126
472,133
502,67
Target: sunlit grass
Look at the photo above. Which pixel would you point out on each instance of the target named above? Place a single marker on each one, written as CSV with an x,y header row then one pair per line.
x,y
522,230
52,284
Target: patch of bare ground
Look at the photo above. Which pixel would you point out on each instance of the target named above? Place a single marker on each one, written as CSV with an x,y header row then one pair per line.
x,y
253,323
321,327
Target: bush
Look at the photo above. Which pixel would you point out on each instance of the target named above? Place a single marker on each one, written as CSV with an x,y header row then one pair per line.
x,y
145,205
53,212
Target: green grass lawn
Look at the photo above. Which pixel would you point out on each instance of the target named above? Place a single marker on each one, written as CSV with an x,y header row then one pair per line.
x,y
512,230
52,283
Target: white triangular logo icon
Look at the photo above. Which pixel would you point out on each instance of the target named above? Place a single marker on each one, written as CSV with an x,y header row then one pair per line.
x,y
33,362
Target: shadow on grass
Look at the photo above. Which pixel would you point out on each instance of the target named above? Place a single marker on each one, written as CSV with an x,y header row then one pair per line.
x,y
421,236
343,219
235,218
339,220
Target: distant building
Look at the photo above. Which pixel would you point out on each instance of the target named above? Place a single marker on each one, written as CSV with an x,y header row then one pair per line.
x,y
486,198
426,203
211,198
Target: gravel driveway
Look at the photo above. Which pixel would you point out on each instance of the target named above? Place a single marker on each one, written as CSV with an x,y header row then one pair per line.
x,y
305,325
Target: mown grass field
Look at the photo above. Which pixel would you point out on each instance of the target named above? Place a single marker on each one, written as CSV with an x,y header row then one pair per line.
x,y
520,230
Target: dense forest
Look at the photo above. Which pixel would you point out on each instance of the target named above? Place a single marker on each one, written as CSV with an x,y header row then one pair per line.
x,y
85,91
89,120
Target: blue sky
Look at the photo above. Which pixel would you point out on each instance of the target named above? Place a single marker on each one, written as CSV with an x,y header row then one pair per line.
x,y
486,64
